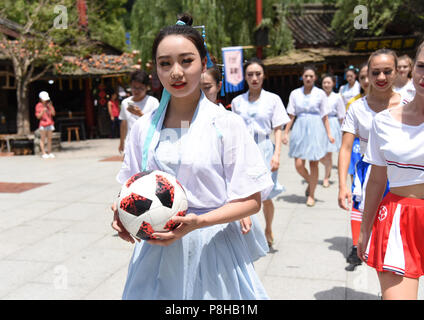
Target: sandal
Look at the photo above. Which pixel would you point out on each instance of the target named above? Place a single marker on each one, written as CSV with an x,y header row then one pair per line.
x,y
269,239
310,202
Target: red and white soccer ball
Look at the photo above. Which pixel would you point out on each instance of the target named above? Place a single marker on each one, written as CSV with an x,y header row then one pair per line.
x,y
148,201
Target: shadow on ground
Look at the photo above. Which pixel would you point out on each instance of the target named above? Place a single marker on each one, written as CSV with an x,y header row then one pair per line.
x,y
292,198
339,244
341,293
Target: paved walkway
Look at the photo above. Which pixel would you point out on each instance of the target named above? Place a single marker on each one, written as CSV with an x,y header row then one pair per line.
x,y
56,241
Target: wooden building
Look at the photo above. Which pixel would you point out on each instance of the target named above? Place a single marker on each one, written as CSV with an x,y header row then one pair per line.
x,y
79,94
314,43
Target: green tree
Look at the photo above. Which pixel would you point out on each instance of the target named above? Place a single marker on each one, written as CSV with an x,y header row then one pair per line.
x,y
228,23
383,17
106,21
49,30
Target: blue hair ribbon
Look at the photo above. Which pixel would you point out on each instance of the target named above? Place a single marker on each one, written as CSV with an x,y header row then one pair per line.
x,y
164,100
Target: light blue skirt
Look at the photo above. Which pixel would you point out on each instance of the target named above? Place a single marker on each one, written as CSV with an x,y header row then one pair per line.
x,y
308,139
267,150
206,264
255,239
336,132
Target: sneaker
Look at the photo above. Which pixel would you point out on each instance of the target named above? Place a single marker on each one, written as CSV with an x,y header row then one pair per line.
x,y
45,156
51,155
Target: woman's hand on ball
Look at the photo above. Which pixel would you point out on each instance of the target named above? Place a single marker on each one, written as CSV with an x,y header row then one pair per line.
x,y
187,223
117,225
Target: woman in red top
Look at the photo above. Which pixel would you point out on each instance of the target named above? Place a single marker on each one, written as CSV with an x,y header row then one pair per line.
x,y
113,108
44,111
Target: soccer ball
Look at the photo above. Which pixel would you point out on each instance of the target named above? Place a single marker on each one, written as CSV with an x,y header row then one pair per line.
x,y
148,201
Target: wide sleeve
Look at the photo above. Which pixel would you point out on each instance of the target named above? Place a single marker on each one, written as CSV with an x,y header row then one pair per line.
x,y
341,110
244,168
279,117
350,123
291,107
133,155
373,154
325,107
234,105
152,106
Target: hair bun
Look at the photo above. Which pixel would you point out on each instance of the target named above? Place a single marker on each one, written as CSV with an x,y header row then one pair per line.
x,y
186,18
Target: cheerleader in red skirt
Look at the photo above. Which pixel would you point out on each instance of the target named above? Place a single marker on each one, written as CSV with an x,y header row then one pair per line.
x,y
392,230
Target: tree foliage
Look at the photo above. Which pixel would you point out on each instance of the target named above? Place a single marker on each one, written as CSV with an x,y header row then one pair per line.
x,y
384,17
106,21
49,30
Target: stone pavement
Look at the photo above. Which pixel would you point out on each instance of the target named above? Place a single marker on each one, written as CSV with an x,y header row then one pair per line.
x,y
56,241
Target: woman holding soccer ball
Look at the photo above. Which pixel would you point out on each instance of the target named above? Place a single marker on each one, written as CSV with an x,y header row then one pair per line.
x,y
221,169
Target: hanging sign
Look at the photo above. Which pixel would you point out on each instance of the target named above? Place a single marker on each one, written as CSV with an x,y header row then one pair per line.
x,y
233,68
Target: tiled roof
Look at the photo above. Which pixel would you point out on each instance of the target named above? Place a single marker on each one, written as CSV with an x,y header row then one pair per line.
x,y
312,26
101,64
10,27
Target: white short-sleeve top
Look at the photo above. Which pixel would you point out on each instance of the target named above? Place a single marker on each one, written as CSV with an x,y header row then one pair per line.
x,y
147,104
263,115
399,147
336,106
358,121
316,102
348,93
407,91
218,160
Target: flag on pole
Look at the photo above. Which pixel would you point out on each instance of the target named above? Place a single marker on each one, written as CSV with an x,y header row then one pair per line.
x,y
232,58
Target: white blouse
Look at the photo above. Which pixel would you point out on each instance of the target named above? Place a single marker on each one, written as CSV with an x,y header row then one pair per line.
x,y
399,147
316,102
407,91
263,115
219,160
336,106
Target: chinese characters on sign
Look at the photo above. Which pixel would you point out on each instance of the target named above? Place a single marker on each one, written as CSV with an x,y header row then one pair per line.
x,y
372,44
233,68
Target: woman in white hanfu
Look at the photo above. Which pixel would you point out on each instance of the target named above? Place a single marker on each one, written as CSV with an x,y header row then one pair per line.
x,y
211,84
308,105
211,153
335,118
264,114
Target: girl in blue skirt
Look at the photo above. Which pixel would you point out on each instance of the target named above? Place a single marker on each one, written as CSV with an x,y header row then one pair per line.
x,y
264,114
335,118
210,84
211,153
308,105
